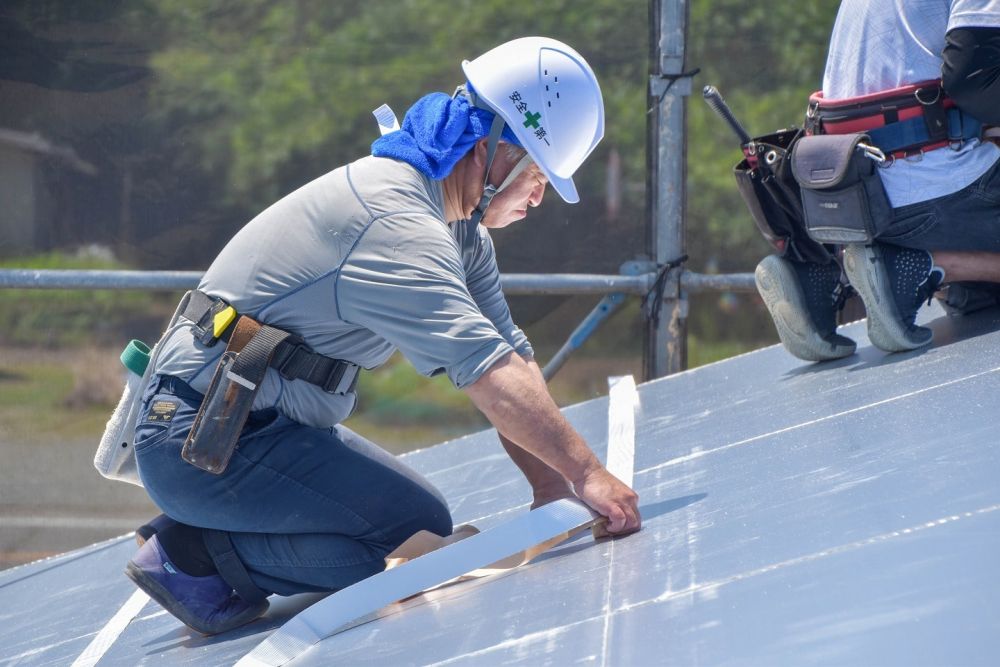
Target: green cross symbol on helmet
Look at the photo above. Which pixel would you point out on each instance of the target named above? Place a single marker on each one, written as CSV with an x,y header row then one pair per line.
x,y
552,77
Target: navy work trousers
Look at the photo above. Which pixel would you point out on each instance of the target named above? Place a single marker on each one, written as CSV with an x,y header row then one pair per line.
x,y
303,509
967,220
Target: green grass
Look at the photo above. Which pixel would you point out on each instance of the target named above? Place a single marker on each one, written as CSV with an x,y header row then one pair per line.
x,y
34,405
49,396
402,410
41,390
396,393
66,318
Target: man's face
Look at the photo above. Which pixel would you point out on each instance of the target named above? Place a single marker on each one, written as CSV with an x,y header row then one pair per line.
x,y
512,204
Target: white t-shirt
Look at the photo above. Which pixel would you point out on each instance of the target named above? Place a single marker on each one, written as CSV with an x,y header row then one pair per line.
x,y
882,44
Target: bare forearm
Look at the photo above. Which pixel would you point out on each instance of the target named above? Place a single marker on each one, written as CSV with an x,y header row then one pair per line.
x,y
514,398
547,484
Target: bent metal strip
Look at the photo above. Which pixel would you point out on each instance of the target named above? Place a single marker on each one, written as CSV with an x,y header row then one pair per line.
x,y
547,525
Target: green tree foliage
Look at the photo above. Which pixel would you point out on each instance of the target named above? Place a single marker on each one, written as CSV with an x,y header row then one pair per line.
x,y
271,92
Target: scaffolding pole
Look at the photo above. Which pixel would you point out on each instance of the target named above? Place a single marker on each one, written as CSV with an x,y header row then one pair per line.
x,y
665,349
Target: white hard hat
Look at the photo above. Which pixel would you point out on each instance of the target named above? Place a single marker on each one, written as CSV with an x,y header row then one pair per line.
x,y
549,97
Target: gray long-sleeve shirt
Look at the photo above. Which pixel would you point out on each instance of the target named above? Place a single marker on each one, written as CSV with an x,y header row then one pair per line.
x,y
359,262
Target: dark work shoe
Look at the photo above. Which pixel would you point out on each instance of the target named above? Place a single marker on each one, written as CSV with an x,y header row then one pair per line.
x,y
155,525
801,297
206,604
893,283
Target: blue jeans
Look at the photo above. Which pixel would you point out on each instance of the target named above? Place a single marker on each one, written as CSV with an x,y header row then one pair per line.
x,y
303,509
967,220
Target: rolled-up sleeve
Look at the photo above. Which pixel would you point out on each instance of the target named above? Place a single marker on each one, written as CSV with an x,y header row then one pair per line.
x,y
404,281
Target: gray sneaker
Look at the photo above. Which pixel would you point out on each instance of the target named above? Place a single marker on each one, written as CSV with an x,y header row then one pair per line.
x,y
893,282
801,297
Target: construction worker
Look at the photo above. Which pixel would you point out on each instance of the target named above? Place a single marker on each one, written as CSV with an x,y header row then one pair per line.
x,y
265,491
944,191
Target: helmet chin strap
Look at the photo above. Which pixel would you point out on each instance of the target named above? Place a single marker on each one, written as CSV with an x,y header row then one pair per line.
x,y
492,143
490,191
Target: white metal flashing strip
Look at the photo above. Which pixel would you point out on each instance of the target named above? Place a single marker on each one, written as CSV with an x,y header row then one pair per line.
x,y
343,609
623,399
100,644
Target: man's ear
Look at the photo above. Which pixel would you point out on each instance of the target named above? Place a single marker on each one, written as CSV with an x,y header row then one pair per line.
x,y
479,152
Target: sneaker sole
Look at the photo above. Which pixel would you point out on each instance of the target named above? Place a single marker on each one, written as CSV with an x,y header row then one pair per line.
x,y
163,597
886,330
777,285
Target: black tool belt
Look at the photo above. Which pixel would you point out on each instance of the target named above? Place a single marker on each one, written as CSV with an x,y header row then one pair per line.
x,y
215,320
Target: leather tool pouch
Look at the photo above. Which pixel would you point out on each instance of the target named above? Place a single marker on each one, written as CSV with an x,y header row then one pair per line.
x,y
843,200
229,398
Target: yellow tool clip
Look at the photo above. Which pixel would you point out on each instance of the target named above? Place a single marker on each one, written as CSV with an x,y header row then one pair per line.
x,y
222,319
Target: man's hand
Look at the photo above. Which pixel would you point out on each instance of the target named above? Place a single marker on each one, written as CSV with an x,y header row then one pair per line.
x,y
608,496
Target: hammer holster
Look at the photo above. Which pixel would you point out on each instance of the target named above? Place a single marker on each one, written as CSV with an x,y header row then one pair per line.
x,y
230,396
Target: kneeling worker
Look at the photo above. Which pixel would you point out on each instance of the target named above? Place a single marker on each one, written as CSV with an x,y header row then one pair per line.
x,y
942,178
268,493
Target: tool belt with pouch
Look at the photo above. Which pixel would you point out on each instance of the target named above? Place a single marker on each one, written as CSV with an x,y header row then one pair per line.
x,y
765,183
902,122
843,199
836,164
252,348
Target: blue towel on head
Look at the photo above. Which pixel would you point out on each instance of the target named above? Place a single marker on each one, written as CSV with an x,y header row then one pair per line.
x,y
437,132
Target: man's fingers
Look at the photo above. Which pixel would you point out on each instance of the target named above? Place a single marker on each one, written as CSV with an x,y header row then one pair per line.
x,y
634,521
600,529
631,521
617,519
609,497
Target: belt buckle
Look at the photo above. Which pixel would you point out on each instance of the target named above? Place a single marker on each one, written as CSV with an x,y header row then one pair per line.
x,y
206,333
333,381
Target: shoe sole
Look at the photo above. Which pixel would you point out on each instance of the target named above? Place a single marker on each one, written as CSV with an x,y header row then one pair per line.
x,y
886,330
163,597
777,284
